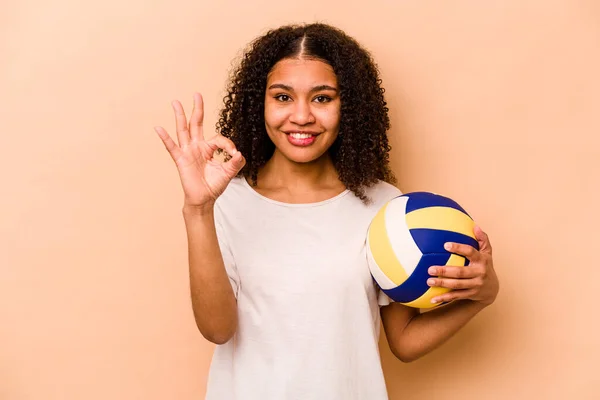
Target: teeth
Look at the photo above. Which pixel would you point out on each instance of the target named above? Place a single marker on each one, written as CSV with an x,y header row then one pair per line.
x,y
300,135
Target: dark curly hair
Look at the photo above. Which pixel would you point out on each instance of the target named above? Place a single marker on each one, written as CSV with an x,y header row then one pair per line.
x,y
360,153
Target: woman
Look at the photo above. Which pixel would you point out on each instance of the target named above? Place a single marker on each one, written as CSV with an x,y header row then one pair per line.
x,y
276,234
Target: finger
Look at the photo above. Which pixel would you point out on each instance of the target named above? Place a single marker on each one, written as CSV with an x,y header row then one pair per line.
x,y
221,142
453,295
197,118
234,165
474,283
465,250
446,271
170,145
183,135
483,239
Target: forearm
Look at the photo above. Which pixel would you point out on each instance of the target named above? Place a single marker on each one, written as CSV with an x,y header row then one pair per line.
x,y
213,300
427,331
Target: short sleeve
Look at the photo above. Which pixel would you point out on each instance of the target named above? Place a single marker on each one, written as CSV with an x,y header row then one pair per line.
x,y
382,298
227,255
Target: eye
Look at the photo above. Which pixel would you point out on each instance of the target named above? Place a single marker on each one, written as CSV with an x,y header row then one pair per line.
x,y
322,99
283,97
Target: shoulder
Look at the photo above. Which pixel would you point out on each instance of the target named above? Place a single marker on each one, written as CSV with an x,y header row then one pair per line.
x,y
235,197
234,189
237,191
382,192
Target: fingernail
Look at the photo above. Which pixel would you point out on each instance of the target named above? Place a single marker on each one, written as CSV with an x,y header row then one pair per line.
x,y
430,282
434,301
447,246
432,271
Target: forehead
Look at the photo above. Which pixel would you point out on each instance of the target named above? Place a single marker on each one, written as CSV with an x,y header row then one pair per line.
x,y
302,72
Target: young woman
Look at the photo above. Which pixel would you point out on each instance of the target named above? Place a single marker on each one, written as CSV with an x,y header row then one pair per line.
x,y
278,270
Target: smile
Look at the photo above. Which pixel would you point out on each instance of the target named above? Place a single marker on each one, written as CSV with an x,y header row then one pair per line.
x,y
301,139
301,135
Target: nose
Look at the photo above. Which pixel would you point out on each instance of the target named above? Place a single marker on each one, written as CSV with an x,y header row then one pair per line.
x,y
302,113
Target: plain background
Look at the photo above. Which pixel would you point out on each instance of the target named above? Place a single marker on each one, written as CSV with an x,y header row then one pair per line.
x,y
493,103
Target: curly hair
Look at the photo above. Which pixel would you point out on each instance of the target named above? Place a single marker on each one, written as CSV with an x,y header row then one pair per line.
x,y
360,153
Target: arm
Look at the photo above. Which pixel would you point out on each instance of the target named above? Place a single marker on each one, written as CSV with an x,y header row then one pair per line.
x,y
203,180
213,300
412,335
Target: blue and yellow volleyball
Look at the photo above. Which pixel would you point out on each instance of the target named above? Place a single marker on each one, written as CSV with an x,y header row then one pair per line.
x,y
407,236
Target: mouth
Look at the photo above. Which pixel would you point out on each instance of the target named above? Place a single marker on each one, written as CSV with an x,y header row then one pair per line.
x,y
301,138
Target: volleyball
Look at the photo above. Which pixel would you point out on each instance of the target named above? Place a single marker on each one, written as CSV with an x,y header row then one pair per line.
x,y
407,236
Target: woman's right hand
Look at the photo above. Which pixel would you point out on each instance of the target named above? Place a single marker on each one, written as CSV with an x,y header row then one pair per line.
x,y
203,178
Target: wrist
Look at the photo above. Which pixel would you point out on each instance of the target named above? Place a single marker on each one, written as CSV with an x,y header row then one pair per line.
x,y
202,210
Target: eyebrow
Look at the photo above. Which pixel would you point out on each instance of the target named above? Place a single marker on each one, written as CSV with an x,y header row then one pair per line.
x,y
314,89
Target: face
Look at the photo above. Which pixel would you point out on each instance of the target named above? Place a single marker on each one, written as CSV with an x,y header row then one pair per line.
x,y
302,109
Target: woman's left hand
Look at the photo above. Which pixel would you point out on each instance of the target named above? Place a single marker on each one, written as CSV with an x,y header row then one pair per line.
x,y
477,281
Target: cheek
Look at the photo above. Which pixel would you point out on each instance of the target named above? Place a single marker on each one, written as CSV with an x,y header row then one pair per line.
x,y
275,116
330,118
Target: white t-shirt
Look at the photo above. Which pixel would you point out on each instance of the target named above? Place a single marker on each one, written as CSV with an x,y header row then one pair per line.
x,y
308,308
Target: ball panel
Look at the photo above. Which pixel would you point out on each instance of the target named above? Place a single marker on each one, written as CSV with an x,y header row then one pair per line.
x,y
442,218
457,261
425,300
431,241
379,245
416,284
419,200
380,277
403,245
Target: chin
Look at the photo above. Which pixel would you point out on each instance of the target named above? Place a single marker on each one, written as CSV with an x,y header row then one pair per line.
x,y
303,156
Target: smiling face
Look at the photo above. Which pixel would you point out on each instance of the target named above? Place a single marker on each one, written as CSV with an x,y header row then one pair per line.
x,y
302,109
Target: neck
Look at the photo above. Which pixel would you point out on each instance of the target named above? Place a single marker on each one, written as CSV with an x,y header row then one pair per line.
x,y
281,172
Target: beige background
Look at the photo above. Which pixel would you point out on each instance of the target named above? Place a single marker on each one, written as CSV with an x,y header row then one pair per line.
x,y
494,103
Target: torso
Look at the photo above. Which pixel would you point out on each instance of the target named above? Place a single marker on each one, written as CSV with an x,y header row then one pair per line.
x,y
308,307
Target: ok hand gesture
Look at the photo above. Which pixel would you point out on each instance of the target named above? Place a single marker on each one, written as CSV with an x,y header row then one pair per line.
x,y
203,178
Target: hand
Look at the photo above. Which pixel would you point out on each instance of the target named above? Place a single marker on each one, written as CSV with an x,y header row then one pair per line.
x,y
203,178
477,281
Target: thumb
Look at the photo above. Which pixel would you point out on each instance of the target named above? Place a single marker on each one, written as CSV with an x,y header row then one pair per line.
x,y
483,239
235,163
